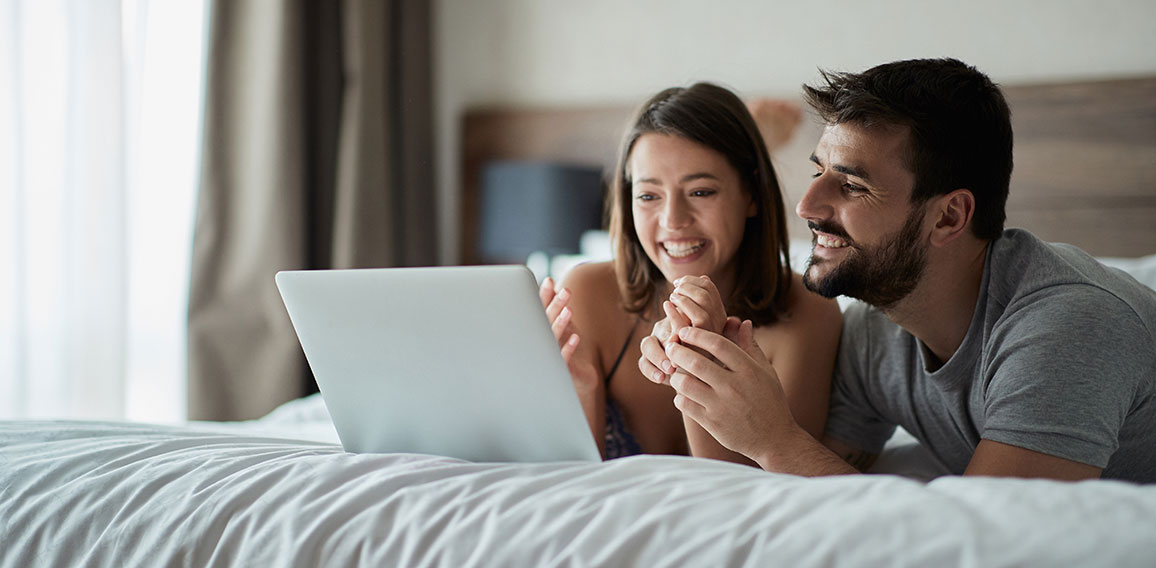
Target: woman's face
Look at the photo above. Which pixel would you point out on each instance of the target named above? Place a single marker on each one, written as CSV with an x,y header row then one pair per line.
x,y
689,207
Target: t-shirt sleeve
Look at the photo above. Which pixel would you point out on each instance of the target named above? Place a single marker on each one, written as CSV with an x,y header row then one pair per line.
x,y
853,417
1066,373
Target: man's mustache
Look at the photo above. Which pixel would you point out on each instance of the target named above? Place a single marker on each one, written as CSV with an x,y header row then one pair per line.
x,y
830,229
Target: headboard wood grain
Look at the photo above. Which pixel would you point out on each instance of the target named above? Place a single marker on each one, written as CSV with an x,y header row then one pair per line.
x,y
1085,159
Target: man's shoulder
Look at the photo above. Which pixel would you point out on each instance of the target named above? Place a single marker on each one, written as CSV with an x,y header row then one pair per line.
x,y
1026,271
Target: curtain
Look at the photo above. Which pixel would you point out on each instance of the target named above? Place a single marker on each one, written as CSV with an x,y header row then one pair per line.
x,y
93,236
317,154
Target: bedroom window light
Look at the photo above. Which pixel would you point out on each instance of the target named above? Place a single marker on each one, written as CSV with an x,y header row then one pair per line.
x,y
99,107
164,172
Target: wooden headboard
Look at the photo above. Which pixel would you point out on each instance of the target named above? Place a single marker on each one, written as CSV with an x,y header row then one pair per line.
x,y
1085,159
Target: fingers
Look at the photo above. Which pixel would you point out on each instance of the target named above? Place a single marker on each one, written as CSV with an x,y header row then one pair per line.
x,y
692,362
676,318
731,329
546,292
653,363
661,330
569,347
694,312
557,305
690,387
729,354
746,339
699,299
560,322
690,408
559,315
701,289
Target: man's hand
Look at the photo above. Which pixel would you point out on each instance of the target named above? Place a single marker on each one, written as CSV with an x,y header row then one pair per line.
x,y
738,399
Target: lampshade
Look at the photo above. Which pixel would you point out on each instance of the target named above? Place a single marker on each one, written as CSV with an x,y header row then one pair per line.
x,y
529,206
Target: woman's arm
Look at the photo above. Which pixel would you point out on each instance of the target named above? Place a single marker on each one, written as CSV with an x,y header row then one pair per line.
x,y
581,313
802,350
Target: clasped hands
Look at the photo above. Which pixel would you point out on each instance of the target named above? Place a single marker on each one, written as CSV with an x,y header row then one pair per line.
x,y
722,379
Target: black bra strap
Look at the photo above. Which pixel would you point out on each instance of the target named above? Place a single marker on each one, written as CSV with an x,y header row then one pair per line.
x,y
621,352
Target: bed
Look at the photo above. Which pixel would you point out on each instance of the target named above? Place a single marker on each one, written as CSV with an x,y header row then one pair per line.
x,y
279,491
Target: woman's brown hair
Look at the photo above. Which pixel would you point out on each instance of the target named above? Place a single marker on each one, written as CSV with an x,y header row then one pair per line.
x,y
716,118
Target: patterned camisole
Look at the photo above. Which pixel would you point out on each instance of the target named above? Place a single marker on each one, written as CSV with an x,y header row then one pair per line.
x,y
619,441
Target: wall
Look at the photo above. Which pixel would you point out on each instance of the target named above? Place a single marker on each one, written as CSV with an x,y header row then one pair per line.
x,y
590,52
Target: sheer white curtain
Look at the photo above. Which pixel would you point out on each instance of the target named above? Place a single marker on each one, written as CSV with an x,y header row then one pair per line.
x,y
99,108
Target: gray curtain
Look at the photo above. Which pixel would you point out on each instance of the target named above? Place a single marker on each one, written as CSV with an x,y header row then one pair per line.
x,y
317,153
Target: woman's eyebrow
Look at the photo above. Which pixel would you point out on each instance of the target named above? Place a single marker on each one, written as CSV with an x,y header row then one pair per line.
x,y
685,179
699,175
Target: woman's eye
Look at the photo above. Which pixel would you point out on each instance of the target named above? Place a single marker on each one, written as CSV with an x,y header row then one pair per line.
x,y
703,193
645,197
816,174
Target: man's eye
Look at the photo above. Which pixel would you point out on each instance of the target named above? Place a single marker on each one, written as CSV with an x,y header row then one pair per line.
x,y
703,193
852,188
816,174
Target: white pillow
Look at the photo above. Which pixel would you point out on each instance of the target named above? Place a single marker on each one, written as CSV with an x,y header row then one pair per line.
x,y
1142,268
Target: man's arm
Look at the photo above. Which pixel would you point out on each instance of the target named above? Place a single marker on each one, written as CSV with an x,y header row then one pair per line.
x,y
993,458
741,404
734,393
856,458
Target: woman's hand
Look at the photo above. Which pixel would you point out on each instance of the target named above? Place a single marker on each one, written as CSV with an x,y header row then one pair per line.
x,y
695,302
561,323
559,315
699,301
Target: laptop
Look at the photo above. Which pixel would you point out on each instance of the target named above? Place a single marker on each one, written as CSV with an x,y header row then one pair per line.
x,y
453,361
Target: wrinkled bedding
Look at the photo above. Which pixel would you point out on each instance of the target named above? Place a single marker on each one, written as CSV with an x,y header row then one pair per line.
x,y
280,492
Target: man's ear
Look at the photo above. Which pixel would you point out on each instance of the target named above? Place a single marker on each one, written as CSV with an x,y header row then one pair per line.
x,y
952,215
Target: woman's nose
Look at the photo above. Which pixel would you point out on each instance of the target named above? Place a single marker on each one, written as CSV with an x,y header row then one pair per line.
x,y
675,215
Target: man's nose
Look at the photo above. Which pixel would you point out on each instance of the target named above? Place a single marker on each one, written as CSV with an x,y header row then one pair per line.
x,y
816,202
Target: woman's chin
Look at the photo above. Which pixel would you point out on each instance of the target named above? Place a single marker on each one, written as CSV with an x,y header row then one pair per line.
x,y
674,272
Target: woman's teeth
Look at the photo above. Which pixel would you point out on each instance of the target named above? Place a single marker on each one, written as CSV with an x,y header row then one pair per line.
x,y
683,248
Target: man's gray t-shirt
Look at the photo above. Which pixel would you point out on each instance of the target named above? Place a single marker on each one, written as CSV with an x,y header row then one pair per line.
x,y
1060,358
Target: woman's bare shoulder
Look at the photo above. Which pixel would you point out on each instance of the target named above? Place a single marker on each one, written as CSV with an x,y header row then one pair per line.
x,y
592,276
594,291
598,312
808,315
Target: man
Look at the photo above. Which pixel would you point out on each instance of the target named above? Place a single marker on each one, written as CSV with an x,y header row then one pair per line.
x,y
1002,354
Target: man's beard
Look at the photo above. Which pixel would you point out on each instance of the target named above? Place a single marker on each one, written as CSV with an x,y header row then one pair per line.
x,y
881,276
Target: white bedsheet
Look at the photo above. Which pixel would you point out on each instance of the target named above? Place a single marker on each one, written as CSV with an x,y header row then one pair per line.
x,y
115,494
280,492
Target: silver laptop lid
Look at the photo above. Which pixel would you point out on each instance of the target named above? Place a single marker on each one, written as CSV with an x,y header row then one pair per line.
x,y
452,361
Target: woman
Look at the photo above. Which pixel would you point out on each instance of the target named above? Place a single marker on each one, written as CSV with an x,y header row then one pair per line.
x,y
697,222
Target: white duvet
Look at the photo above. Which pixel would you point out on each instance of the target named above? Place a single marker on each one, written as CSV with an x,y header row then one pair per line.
x,y
243,494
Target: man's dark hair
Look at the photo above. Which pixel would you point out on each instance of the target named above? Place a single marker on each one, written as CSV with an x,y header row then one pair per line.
x,y
959,124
